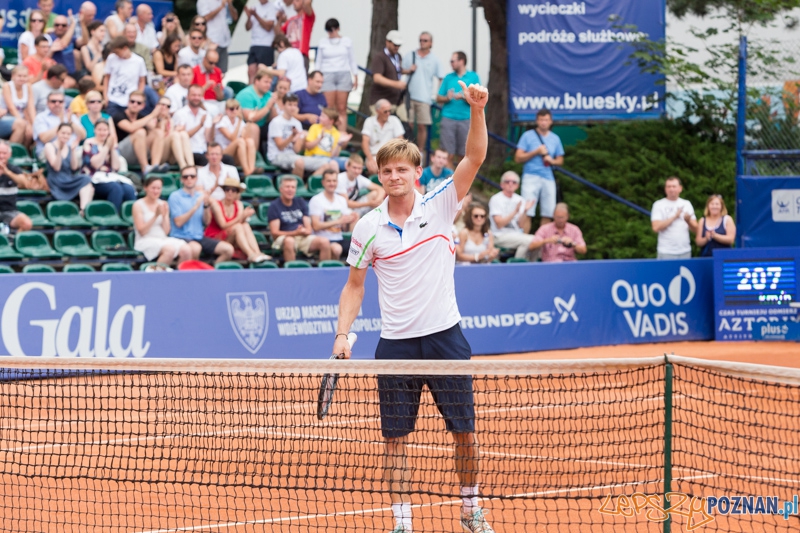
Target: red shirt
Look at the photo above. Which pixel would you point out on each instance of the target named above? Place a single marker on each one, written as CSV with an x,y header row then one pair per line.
x,y
298,31
201,77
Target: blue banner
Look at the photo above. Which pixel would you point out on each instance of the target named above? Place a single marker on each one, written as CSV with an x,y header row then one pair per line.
x,y
756,293
767,211
292,313
573,58
16,14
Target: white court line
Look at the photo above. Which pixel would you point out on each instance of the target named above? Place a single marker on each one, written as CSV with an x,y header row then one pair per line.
x,y
299,518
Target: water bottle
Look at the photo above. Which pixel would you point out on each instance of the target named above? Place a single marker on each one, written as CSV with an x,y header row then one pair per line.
x,y
4,229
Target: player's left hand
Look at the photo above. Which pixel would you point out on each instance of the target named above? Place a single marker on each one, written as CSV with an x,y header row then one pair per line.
x,y
476,95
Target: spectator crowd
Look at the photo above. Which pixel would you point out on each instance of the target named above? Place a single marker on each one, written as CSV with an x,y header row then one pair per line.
x,y
108,105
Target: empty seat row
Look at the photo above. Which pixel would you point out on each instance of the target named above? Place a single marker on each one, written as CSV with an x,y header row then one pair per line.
x,y
70,243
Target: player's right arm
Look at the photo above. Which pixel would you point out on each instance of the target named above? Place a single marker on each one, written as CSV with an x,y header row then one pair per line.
x,y
349,305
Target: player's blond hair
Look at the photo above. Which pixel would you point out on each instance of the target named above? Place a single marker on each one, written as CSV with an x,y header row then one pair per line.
x,y
399,150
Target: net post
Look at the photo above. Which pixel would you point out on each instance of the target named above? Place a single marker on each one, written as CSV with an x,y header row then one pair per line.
x,y
668,376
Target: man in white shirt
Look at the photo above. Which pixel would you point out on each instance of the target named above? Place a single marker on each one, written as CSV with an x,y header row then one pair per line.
x,y
287,139
125,72
507,216
378,130
407,235
217,29
115,24
425,72
352,183
145,29
261,23
330,215
211,177
290,64
178,92
197,123
193,54
672,218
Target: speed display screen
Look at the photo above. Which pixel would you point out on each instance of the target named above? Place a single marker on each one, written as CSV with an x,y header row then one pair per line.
x,y
762,282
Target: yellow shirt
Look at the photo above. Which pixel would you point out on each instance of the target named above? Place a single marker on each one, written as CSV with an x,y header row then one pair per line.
x,y
78,106
330,139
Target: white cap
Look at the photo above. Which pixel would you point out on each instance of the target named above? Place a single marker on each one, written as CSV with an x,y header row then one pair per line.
x,y
394,37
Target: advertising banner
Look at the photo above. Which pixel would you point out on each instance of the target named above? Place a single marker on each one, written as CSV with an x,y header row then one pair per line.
x,y
292,313
756,294
573,58
768,211
15,13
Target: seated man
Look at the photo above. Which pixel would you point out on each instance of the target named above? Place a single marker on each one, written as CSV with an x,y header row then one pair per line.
x,y
53,82
45,125
211,177
290,225
178,93
39,61
257,102
324,140
507,215
193,54
189,214
197,122
330,215
138,135
286,142
362,194
435,174
559,240
378,130
311,100
11,178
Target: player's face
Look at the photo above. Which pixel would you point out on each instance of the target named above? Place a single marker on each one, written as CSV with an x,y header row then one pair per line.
x,y
398,177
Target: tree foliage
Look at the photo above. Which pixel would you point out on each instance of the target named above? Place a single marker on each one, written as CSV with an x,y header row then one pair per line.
x,y
632,159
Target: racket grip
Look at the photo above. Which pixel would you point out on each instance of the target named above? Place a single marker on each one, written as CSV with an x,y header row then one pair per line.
x,y
351,338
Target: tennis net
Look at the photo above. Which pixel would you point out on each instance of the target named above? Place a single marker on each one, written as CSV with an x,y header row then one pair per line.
x,y
162,446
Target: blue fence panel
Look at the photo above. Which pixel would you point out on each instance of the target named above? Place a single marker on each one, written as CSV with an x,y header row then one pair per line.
x,y
293,313
768,211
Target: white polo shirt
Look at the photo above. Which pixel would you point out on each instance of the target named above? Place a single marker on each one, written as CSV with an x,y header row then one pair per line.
x,y
185,117
416,288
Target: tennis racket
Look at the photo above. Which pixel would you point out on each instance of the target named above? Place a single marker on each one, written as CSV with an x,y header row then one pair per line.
x,y
328,385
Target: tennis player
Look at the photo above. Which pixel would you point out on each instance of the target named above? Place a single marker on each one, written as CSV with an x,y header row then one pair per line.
x,y
408,241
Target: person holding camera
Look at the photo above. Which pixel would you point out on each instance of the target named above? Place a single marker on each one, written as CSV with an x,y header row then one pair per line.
x,y
559,240
539,150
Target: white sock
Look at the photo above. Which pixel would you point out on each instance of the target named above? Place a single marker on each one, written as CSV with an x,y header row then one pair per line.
x,y
402,515
469,499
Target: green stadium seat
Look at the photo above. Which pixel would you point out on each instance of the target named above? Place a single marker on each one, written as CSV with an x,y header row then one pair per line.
x,y
12,55
35,213
127,212
228,265
298,263
6,251
263,242
376,180
315,184
236,86
263,210
171,183
112,244
131,239
78,267
66,214
329,263
302,191
73,243
256,222
5,269
34,244
116,267
72,93
261,187
516,260
262,164
263,264
103,213
38,269
20,156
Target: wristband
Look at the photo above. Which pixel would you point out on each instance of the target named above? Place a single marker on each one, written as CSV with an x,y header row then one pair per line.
x,y
337,335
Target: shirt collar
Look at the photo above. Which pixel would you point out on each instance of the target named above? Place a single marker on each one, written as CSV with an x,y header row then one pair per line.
x,y
416,211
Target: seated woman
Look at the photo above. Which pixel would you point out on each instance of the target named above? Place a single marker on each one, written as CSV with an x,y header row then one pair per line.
x,y
165,59
94,103
229,222
281,89
476,242
717,229
92,52
17,109
101,161
229,134
63,161
151,225
177,145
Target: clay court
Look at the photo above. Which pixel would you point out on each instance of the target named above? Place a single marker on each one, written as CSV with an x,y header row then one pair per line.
x,y
159,452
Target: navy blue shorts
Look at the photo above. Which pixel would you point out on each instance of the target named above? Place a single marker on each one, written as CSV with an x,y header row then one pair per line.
x,y
400,395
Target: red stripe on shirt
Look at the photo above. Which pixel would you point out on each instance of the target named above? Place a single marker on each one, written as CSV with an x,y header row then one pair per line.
x,y
439,235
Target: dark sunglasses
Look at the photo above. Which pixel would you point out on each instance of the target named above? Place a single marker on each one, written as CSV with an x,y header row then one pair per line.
x,y
478,216
199,23
37,20
234,108
94,101
213,63
187,176
170,19
510,181
196,38
59,25
137,102
56,101
230,189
